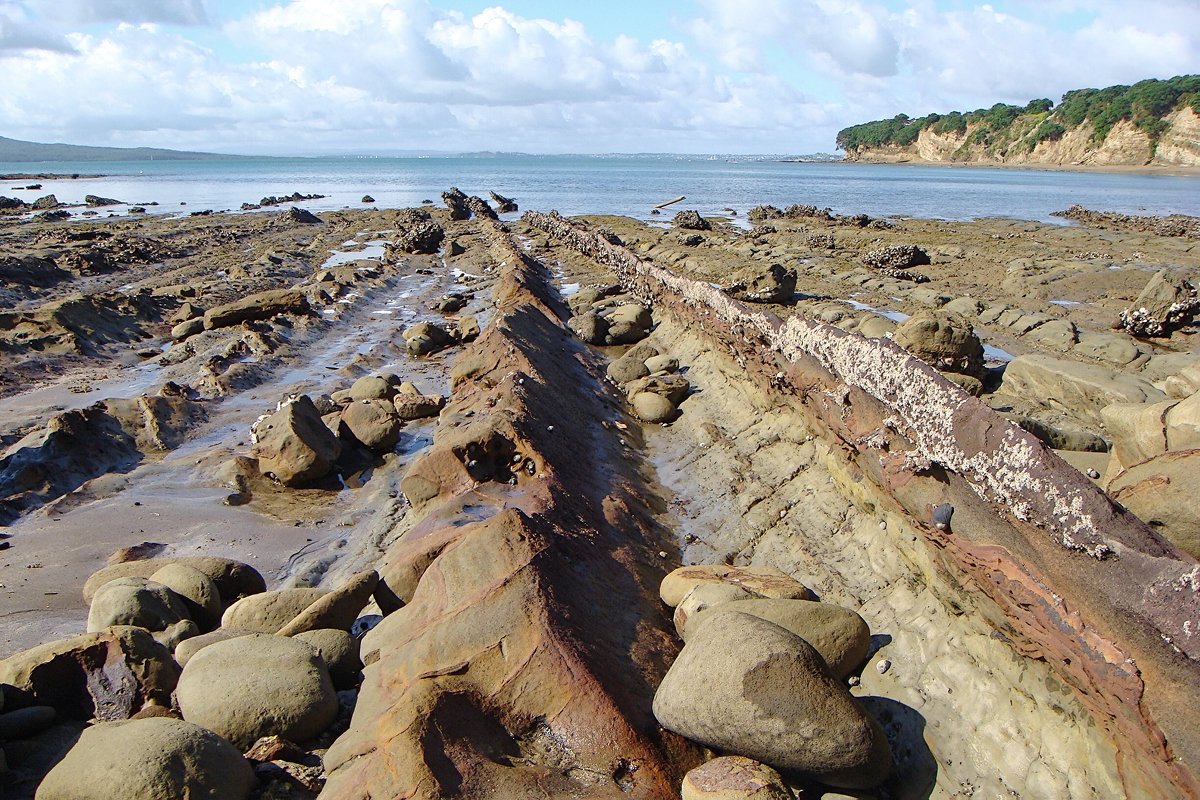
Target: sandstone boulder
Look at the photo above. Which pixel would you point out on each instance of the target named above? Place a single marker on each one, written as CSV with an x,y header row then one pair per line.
x,y
626,369
589,327
425,338
195,644
150,759
411,407
776,285
652,408
1138,430
263,305
667,364
761,581
135,601
339,650
745,685
1162,492
944,340
1074,388
107,675
255,686
1167,302
702,597
187,329
294,446
269,611
371,387
841,636
337,609
673,387
234,579
734,778
198,592
374,423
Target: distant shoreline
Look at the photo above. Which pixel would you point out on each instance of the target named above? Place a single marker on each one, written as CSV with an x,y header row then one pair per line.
x,y
1179,171
47,176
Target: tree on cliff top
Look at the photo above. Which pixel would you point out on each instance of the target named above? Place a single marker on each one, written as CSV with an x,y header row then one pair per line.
x,y
1145,104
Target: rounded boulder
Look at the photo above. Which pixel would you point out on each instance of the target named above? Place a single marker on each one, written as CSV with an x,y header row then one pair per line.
x,y
157,758
744,685
267,612
734,778
198,591
652,408
135,601
840,635
258,685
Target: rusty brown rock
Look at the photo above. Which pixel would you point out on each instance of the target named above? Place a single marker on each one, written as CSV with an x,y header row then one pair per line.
x,y
107,675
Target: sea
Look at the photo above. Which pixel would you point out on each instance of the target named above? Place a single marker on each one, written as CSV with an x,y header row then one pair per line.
x,y
618,184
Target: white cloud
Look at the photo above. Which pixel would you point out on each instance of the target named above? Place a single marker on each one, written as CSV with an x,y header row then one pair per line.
x,y
372,75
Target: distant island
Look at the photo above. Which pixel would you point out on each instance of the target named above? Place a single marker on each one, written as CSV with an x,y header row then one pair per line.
x,y
15,150
1151,123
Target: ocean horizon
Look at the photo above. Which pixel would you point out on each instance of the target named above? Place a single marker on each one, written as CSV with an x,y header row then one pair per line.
x,y
624,184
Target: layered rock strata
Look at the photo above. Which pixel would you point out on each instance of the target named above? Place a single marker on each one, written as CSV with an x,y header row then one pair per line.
x,y
1071,578
527,639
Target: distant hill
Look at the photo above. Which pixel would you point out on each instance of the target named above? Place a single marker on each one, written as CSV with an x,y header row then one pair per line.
x,y
1150,122
17,150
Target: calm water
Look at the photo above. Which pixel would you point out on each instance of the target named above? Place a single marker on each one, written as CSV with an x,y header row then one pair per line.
x,y
621,185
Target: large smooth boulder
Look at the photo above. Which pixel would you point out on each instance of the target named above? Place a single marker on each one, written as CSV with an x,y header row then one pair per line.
x,y
340,652
234,579
374,423
258,685
189,647
734,778
371,387
263,305
652,408
135,601
760,581
841,636
744,685
702,597
150,759
294,446
337,609
1078,389
944,340
198,592
269,611
626,369
107,675
589,327
411,407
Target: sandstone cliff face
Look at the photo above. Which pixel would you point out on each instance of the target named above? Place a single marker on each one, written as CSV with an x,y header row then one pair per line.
x,y
1125,145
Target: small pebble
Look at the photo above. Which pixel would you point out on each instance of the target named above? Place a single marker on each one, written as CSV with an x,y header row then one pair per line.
x,y
662,553
549,427
1093,474
854,680
883,666
883,526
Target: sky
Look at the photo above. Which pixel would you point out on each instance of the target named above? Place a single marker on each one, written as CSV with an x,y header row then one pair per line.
x,y
316,77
